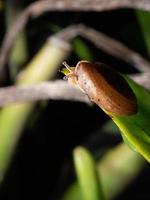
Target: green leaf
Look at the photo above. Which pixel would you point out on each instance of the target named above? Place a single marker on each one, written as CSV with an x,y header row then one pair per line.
x,y
87,175
82,50
144,21
128,143
136,128
116,169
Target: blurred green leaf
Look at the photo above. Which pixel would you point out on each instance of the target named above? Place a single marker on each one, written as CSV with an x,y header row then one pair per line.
x,y
87,175
136,128
116,169
14,117
19,53
110,127
82,50
128,143
1,5
144,21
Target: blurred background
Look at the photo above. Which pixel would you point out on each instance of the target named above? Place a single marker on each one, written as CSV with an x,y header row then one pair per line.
x,y
42,164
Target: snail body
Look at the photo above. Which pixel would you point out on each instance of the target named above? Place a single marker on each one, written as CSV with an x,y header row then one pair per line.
x,y
104,86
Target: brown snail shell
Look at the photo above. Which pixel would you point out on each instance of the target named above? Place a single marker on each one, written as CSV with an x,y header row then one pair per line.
x,y
107,88
104,86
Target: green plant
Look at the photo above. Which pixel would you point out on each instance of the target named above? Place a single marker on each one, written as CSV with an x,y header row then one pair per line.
x,y
135,129
87,175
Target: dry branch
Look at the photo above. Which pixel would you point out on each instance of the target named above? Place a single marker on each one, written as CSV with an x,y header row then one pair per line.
x,y
100,40
107,44
53,90
142,79
39,7
115,48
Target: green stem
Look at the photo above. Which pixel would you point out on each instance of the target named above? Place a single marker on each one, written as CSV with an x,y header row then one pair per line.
x,y
19,52
144,22
116,170
13,118
87,175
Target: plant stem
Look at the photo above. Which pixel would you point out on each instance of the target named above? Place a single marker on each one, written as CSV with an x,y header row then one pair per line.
x,y
144,21
19,52
117,169
87,175
13,118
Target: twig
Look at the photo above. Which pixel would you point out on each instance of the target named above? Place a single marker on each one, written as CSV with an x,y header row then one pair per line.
x,y
100,40
37,8
115,48
54,90
58,90
107,44
143,79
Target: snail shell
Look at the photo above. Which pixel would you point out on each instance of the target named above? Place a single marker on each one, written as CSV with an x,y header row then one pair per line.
x,y
107,88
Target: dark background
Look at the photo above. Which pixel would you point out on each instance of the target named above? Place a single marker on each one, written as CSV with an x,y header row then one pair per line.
x,y
42,166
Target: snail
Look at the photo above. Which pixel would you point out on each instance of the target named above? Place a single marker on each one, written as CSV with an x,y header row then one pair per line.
x,y
104,86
